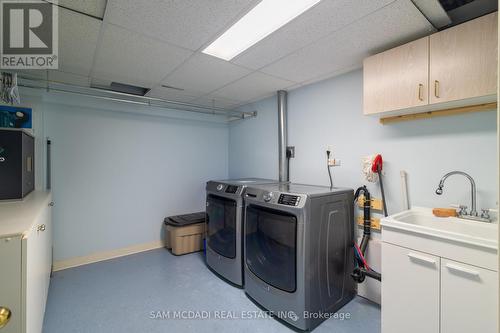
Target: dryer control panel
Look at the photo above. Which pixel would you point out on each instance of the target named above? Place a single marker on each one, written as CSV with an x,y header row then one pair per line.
x,y
231,189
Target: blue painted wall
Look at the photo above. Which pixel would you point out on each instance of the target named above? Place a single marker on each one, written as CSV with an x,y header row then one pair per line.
x,y
117,174
330,113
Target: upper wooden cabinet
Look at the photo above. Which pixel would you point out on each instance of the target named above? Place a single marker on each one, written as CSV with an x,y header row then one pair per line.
x,y
452,68
463,60
398,78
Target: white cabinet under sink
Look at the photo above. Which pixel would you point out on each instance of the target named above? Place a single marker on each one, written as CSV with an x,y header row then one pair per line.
x,y
468,298
438,275
410,290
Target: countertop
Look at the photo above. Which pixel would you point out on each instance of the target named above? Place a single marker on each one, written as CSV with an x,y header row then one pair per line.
x,y
17,217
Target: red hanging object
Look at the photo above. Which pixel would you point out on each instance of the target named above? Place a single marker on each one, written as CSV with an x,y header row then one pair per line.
x,y
377,163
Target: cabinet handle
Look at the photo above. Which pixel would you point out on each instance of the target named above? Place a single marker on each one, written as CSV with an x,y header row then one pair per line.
x,y
5,315
436,88
420,92
460,269
41,227
418,257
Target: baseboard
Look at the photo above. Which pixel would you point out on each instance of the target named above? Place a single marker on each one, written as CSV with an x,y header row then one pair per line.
x,y
106,255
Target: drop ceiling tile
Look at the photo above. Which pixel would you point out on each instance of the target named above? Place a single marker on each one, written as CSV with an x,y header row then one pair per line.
x,y
131,58
205,73
218,102
189,24
173,95
91,7
393,25
328,16
251,87
77,41
69,78
95,82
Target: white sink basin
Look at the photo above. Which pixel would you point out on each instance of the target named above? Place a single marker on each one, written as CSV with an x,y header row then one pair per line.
x,y
422,221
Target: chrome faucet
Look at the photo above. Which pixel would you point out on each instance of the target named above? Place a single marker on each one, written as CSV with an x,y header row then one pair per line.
x,y
472,215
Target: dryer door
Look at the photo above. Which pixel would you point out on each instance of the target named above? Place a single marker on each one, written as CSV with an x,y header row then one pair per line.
x,y
221,221
270,245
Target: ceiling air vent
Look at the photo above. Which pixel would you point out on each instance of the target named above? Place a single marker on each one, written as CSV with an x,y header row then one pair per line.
x,y
128,89
461,11
446,13
452,4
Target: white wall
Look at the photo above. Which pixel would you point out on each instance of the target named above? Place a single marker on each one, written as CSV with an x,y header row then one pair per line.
x,y
330,113
116,175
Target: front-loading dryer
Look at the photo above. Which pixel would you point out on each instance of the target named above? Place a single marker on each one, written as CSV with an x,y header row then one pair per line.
x,y
224,217
299,251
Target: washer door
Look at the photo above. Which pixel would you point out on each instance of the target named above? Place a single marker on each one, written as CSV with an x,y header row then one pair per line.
x,y
221,221
270,245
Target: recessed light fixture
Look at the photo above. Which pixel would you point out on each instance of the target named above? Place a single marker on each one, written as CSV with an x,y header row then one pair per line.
x,y
265,18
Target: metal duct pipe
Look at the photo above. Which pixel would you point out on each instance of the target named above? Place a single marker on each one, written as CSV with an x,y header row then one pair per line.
x,y
282,135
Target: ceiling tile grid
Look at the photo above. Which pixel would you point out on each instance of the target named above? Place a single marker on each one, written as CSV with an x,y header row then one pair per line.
x,y
151,43
128,57
78,35
252,86
90,7
186,23
326,17
390,26
205,73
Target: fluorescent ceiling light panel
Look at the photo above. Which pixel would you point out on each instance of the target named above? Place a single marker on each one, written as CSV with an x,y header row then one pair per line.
x,y
265,18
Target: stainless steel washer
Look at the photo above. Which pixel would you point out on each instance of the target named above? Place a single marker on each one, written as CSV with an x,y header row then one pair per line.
x,y
299,251
224,239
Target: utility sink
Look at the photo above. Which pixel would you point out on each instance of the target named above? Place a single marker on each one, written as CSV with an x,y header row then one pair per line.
x,y
450,237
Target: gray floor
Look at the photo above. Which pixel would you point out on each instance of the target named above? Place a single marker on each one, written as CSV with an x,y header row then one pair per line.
x,y
138,293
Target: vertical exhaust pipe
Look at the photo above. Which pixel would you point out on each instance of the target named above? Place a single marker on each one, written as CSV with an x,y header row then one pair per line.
x,y
282,135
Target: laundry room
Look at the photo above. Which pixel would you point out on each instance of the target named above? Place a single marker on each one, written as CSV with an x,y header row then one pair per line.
x,y
249,166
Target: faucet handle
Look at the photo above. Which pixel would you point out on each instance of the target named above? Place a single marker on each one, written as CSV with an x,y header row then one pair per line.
x,y
463,209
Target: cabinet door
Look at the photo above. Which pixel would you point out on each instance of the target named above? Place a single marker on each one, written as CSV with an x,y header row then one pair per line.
x,y
10,282
397,79
36,245
463,61
468,298
410,291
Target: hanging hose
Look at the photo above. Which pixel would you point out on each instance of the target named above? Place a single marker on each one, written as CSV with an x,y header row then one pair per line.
x,y
363,269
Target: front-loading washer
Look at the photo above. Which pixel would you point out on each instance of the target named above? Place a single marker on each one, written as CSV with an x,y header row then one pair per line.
x,y
224,217
299,251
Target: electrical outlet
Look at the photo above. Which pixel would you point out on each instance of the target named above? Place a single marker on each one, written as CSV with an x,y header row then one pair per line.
x,y
290,151
333,162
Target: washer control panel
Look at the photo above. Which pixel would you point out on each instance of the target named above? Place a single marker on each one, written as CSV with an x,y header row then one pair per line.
x,y
289,200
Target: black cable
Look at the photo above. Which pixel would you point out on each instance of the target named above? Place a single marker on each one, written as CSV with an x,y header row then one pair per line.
x,y
288,168
288,157
328,167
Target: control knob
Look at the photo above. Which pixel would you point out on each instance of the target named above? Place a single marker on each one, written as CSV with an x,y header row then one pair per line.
x,y
220,187
268,196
